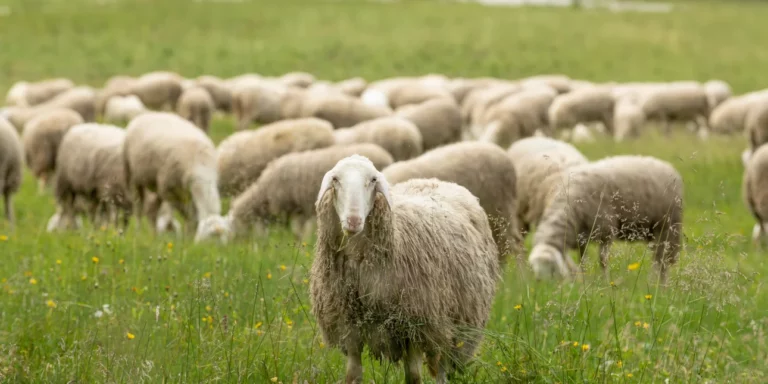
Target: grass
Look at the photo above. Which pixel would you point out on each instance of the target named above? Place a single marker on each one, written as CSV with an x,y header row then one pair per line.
x,y
179,312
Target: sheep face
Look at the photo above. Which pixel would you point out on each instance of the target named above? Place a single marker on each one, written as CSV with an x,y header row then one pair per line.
x,y
215,226
548,262
355,182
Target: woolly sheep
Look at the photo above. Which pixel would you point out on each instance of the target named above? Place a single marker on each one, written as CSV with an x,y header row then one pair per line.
x,y
286,189
196,105
630,198
265,102
461,87
419,275
11,158
730,116
78,99
585,105
439,121
535,159
158,90
243,156
166,154
89,164
41,139
122,109
341,110
681,101
119,85
755,191
483,99
217,88
398,136
26,94
354,86
297,79
485,170
416,93
515,117
558,82
756,124
717,92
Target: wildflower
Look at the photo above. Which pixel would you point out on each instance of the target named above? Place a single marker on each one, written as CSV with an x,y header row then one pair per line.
x,y
648,297
629,375
613,284
322,345
208,308
121,261
637,323
518,307
459,344
130,336
259,332
210,319
304,244
269,276
305,281
50,304
257,325
83,277
207,275
575,343
498,363
58,261
633,267
170,246
274,379
106,309
98,314
282,267
619,364
289,323
585,347
3,238
204,319
95,260
504,368
646,325
226,294
33,281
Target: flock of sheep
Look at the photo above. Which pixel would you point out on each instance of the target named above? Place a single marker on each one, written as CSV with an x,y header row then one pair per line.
x,y
418,188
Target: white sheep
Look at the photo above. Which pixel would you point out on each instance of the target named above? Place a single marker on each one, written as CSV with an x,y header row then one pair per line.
x,y
166,154
628,119
158,90
755,191
717,91
438,120
418,272
398,136
354,86
122,109
297,79
677,101
756,124
517,116
28,94
41,138
730,116
219,91
585,105
11,159
339,109
630,198
196,105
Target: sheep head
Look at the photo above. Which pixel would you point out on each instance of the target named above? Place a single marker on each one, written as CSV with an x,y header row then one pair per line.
x,y
215,226
355,182
548,262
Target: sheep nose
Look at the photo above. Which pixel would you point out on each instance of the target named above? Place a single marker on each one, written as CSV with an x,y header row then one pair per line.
x,y
354,223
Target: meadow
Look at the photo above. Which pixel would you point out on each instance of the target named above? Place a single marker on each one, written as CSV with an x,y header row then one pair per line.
x,y
99,306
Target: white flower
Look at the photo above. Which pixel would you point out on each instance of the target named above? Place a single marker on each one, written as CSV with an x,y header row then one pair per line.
x,y
98,314
106,309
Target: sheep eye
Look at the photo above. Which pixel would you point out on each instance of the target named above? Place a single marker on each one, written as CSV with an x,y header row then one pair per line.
x,y
335,179
373,180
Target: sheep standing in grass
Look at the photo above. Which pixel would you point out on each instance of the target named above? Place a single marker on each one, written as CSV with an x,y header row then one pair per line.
x,y
265,102
535,159
41,138
11,158
90,166
217,88
400,137
755,191
26,94
586,105
166,154
730,116
340,110
439,121
158,90
407,271
518,116
122,109
485,170
756,124
196,105
717,91
243,156
680,101
630,198
115,86
285,190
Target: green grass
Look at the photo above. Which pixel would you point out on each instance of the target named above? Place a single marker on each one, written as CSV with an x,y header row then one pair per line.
x,y
206,313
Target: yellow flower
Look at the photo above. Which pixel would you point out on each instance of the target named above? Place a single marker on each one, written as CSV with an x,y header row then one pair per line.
x,y
207,275
289,323
322,345
226,294
83,277
121,261
28,274
210,319
648,297
646,325
269,276
304,244
305,281
95,260
257,325
3,238
613,284
259,332
274,379
498,363
585,347
208,308
633,266
637,323
518,307
204,319
619,364
629,375
50,304
504,368
170,246
130,336
459,344
575,343
58,261
282,267
33,281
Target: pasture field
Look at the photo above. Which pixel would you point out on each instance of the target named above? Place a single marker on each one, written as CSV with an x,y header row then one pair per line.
x,y
97,306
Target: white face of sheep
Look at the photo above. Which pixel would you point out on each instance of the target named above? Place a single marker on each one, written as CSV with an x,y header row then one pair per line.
x,y
214,226
548,262
355,182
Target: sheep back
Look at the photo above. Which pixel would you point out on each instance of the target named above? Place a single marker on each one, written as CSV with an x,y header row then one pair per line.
x,y
398,136
439,121
42,136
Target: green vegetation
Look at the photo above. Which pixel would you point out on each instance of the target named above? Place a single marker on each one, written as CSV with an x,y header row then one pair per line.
x,y
180,312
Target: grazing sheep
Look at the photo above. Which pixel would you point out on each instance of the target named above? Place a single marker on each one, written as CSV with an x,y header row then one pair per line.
x,y
730,116
460,88
265,102
219,91
11,158
630,198
717,91
243,156
485,170
406,285
79,99
586,105
158,90
340,110
122,109
89,165
680,101
519,115
297,79
479,101
354,86
439,121
756,123
560,83
119,85
535,159
26,94
286,189
41,139
398,136
197,106
628,119
755,192
416,93
166,154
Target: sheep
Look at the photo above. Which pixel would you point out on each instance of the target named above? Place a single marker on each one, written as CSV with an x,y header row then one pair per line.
x,y
517,116
165,154
122,109
78,99
717,92
89,164
119,85
630,198
416,93
265,102
536,158
340,110
461,87
407,271
586,105
755,191
11,158
41,139
480,100
439,121
485,170
297,79
197,106
628,119
354,86
217,88
286,189
243,156
398,136
158,90
730,116
560,83
756,123
681,101
25,94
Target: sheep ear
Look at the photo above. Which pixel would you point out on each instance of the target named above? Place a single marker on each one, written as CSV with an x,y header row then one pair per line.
x,y
324,186
382,186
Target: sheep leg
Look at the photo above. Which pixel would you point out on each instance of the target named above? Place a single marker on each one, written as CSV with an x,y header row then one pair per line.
x,y
354,366
138,205
42,184
438,367
413,366
666,127
9,209
757,233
